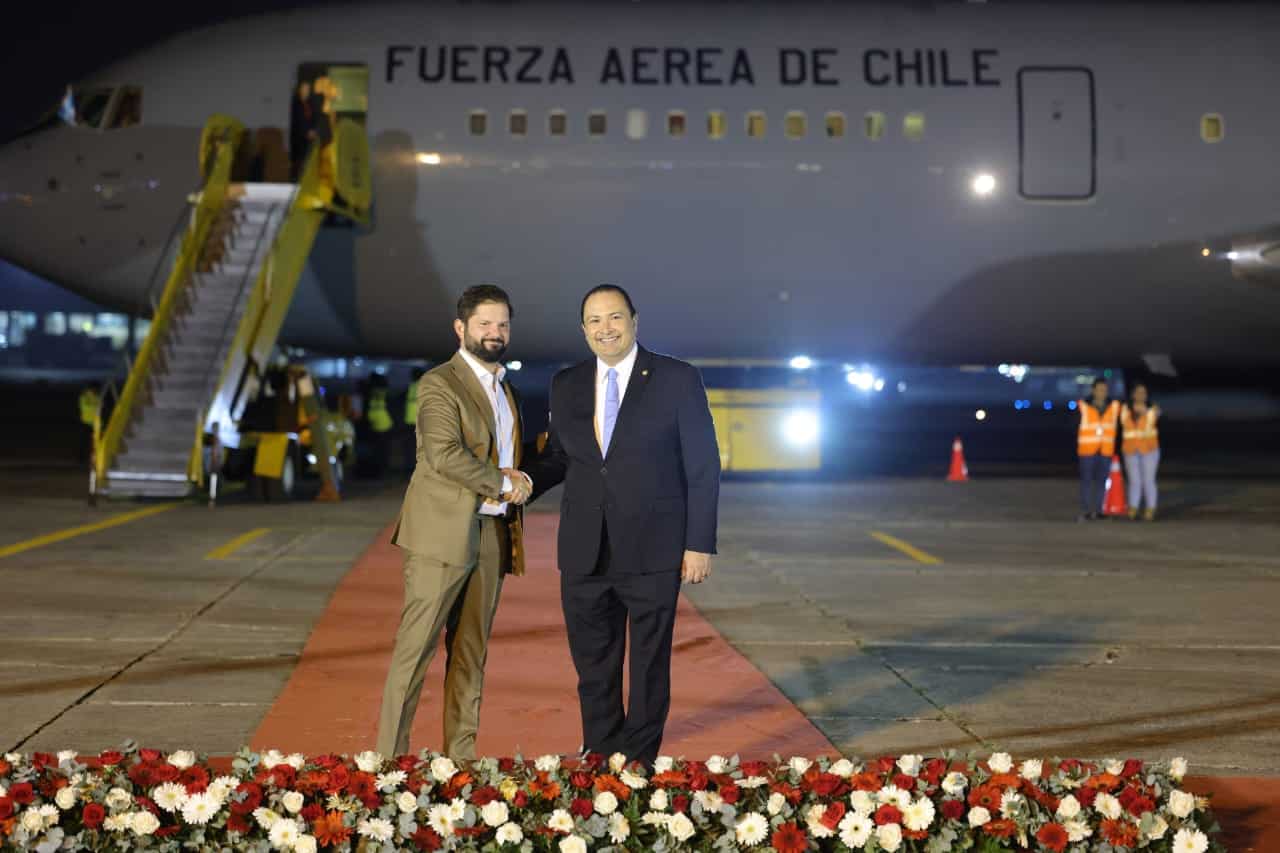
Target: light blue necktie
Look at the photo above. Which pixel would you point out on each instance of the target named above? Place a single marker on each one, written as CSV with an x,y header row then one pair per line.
x,y
610,408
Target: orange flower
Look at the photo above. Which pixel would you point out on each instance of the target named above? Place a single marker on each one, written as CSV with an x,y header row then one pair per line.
x,y
669,779
789,838
1000,828
330,831
1120,833
987,796
614,786
1104,781
866,781
454,786
1054,836
542,786
1005,780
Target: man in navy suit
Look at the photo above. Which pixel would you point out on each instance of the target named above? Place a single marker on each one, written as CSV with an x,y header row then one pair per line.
x,y
632,439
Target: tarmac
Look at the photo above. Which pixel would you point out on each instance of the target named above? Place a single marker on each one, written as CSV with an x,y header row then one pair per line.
x,y
867,617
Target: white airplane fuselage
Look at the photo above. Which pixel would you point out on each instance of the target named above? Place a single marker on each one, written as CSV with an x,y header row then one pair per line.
x,y
1088,120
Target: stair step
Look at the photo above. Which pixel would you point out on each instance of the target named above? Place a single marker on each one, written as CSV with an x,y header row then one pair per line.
x,y
131,484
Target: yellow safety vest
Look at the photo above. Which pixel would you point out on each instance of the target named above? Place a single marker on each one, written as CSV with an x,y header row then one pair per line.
x,y
1097,435
379,417
411,405
88,406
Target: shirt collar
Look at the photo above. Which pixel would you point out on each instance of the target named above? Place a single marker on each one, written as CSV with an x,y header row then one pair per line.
x,y
623,367
481,371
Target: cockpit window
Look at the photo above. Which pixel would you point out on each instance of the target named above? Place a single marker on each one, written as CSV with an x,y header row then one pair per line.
x,y
128,108
90,105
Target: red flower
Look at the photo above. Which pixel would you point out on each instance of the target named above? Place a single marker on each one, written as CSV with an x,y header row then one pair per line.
x,y
1000,828
329,830
312,781
830,785
195,779
1053,836
483,796
338,779
166,773
987,796
866,781
506,765
407,763
149,804
953,809
238,823
680,803
833,815
426,839
1086,796
362,785
915,834
1132,767
110,758
166,831
311,812
22,793
581,779
283,776
730,793
699,781
520,800
150,755
934,770
789,838
1140,806
41,760
884,764
581,807
905,782
251,798
754,768
1119,833
1070,765
888,814
143,775
6,808
791,792
5,767
329,761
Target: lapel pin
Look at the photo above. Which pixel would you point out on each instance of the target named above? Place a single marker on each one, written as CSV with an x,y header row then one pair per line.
x,y
644,373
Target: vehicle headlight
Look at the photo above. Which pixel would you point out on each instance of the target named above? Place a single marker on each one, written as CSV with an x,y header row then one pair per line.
x,y
800,427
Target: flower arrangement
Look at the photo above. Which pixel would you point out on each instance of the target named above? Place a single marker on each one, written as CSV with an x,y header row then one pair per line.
x,y
143,798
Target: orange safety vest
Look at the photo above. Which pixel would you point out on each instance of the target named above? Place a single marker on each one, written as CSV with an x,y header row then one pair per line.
x,y
1097,433
1140,434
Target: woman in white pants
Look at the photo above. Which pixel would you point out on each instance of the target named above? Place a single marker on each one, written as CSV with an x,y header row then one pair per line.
x,y
1141,449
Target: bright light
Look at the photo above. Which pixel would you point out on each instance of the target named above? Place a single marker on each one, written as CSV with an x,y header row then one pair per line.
x,y
514,365
1048,405
863,380
902,387
984,184
1017,372
1204,253
311,459
801,362
801,427
879,386
1233,256
981,414
1072,405
428,158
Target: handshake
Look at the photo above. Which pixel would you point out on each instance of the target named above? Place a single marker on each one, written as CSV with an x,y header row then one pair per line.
x,y
521,487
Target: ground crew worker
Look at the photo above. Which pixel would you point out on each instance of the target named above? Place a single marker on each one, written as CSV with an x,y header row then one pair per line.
x,y
90,400
1095,445
1141,448
409,429
380,423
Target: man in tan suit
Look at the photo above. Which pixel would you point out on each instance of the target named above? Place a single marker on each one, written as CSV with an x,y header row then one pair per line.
x,y
459,525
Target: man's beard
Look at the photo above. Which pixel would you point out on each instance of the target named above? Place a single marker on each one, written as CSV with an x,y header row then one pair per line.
x,y
482,352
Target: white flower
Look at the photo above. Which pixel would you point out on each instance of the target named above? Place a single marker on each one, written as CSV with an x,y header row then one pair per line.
x,y
954,783
1190,841
199,808
776,804
440,818
296,760
617,761
369,761
457,809
681,828
376,828
1114,767
49,814
1158,828
910,764
606,803
1031,769
862,803
293,802
510,833
547,763
143,823
561,821
634,781
1077,830
1000,762
1068,807
813,820
1178,769
3,790
753,782
843,768
284,833
182,759
388,782
1181,804
271,758
895,796
118,799
407,802
709,800
116,823
170,796
65,798
919,815
619,828
443,769
1010,803
495,814
32,821
67,755
663,763
717,764
889,836
13,757
1108,806
658,801
305,844
855,830
573,844
222,787
751,829
655,819
799,765
265,817
978,816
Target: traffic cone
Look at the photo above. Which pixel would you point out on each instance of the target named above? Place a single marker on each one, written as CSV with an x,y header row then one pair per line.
x,y
1114,502
959,470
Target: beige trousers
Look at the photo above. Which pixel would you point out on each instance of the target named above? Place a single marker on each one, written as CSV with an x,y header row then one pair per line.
x,y
461,601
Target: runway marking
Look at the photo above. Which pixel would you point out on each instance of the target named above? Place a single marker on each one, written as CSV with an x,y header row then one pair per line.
x,y
222,552
905,547
72,532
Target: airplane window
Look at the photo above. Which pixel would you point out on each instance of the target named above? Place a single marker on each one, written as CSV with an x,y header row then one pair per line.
x,y
675,123
835,125
55,323
558,123
478,123
755,124
913,126
717,124
637,124
518,123
1211,127
796,125
873,125
597,123
128,108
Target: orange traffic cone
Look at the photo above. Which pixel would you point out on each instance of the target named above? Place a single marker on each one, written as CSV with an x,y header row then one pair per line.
x,y
959,470
1114,502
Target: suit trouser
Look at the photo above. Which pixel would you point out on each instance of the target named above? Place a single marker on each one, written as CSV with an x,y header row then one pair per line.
x,y
599,609
461,601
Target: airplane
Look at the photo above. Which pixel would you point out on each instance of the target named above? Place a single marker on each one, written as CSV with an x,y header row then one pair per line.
x,y
926,183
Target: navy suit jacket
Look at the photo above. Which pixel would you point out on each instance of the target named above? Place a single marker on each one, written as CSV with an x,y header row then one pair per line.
x,y
658,486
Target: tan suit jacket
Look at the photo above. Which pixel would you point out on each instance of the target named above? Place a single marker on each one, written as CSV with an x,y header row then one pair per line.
x,y
456,469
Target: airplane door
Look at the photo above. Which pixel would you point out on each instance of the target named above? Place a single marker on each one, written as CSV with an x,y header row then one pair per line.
x,y
1056,134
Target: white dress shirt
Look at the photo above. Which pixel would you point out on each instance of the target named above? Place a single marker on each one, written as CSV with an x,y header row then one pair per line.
x,y
505,424
602,379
